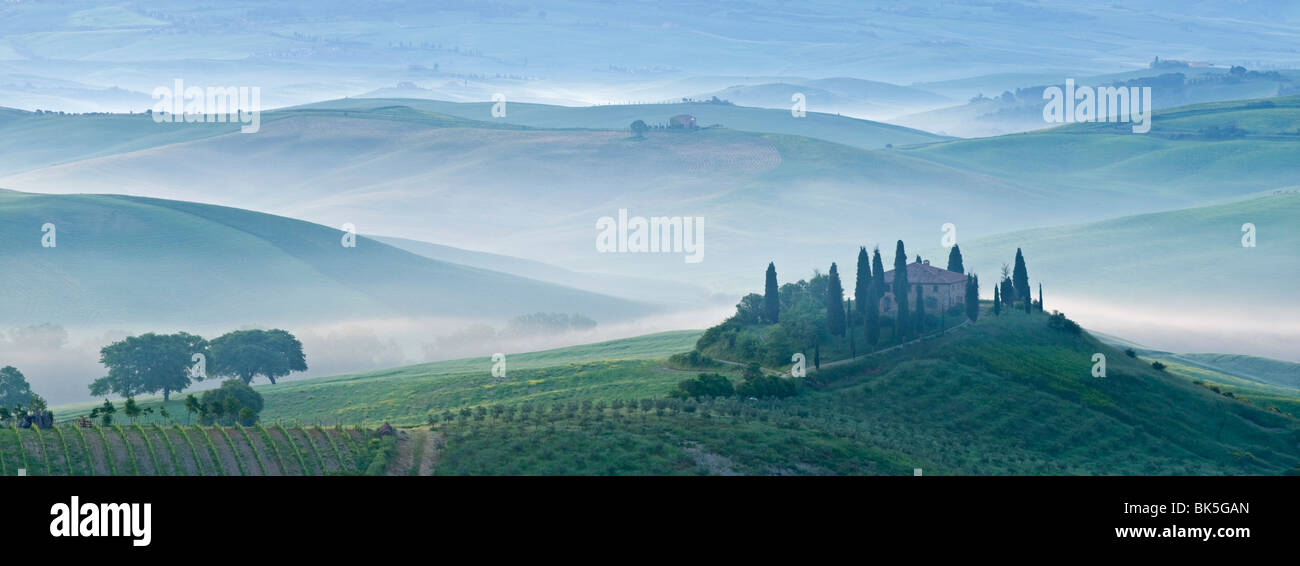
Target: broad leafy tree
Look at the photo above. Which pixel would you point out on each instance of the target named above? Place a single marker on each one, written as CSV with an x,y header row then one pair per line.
x,y
148,363
14,389
249,353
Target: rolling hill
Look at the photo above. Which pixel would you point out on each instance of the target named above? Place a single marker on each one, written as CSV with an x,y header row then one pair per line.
x,y
872,100
1007,395
1179,278
1018,107
817,123
28,140
120,259
405,169
659,291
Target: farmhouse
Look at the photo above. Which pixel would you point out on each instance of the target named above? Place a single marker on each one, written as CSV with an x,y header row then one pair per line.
x,y
682,122
943,288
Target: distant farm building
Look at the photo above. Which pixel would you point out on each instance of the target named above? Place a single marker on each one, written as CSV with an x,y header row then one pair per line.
x,y
943,288
682,122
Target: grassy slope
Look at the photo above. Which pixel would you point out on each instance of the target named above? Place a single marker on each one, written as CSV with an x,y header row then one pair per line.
x,y
1280,397
29,141
1264,370
117,259
406,395
1007,396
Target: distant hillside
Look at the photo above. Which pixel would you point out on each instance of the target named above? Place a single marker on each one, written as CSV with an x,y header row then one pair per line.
x,y
841,95
31,141
634,288
1191,154
423,175
1019,107
407,169
137,260
1152,271
1263,370
818,123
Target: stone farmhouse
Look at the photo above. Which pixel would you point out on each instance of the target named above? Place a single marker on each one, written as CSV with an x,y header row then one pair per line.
x,y
943,288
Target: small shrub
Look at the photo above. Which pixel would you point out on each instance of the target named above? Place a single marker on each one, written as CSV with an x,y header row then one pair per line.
x,y
706,385
1058,321
1158,366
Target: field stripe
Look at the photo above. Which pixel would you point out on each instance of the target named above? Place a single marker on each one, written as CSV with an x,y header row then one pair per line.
x,y
253,447
108,451
194,451
302,464
177,468
67,454
130,452
153,457
266,437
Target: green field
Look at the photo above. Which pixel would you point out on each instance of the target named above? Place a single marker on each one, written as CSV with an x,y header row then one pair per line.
x,y
618,369
1006,395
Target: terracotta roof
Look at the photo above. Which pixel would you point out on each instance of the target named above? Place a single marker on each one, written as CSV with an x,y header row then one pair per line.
x,y
927,274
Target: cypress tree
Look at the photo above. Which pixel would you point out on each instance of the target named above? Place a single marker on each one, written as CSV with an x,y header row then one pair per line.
x,y
902,320
876,291
862,285
1008,290
771,296
1029,303
954,260
997,302
835,303
1040,296
972,297
920,309
1020,277
878,273
848,315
